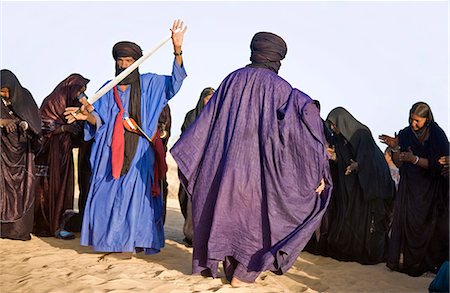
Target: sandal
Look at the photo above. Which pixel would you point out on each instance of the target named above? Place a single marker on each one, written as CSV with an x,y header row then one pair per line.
x,y
65,235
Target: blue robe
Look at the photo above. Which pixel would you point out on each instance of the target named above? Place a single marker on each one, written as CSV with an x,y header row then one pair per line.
x,y
122,214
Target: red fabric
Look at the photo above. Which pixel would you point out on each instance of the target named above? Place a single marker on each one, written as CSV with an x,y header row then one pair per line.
x,y
118,140
160,166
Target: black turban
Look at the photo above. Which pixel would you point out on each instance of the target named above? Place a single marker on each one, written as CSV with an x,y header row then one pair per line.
x,y
126,49
267,51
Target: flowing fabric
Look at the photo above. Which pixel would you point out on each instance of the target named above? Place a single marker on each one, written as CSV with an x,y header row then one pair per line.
x,y
251,162
122,215
17,167
360,209
420,229
183,197
55,188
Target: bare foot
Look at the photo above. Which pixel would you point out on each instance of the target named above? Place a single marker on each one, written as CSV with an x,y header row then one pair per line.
x,y
115,256
236,283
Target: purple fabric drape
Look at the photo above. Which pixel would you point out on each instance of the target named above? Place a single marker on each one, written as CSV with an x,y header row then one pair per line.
x,y
251,162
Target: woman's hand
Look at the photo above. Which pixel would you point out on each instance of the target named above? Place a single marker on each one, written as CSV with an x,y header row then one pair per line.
x,y
331,153
444,161
9,124
74,113
408,156
392,142
352,167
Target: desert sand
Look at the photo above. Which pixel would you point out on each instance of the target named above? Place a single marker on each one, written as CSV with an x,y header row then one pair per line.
x,y
54,265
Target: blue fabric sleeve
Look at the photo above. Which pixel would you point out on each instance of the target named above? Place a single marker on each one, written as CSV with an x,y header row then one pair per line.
x,y
178,75
89,129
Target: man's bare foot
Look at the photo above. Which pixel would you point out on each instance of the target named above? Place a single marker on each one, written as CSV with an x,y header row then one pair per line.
x,y
236,283
115,256
206,273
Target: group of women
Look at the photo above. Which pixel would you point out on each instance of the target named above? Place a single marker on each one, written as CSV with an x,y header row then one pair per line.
x,y
368,219
37,180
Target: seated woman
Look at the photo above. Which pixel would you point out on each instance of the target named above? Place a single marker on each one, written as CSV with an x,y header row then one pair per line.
x,y
420,223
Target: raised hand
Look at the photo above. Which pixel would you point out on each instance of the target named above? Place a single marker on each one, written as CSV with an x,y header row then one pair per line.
x,y
178,29
390,141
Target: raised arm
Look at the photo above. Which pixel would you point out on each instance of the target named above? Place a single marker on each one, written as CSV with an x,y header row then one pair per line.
x,y
178,30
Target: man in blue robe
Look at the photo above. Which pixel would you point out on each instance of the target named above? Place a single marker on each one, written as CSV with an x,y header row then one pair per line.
x,y
255,165
123,212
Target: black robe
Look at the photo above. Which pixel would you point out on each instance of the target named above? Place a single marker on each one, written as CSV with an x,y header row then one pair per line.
x,y
420,229
17,167
360,209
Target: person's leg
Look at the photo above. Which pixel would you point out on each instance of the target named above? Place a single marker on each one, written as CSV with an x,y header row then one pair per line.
x,y
164,190
243,277
237,274
188,229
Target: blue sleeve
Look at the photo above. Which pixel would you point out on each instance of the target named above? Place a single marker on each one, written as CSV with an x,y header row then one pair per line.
x,y
89,129
176,80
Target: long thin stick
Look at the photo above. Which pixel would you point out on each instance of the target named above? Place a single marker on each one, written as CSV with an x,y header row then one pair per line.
x,y
125,73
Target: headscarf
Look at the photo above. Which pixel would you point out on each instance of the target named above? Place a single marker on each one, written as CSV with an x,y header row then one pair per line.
x,y
194,113
129,49
345,122
423,110
373,171
22,101
64,95
268,50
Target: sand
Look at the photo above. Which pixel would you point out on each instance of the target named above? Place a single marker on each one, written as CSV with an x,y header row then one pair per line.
x,y
54,265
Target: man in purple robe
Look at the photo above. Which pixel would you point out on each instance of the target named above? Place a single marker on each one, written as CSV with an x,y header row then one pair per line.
x,y
255,165
123,211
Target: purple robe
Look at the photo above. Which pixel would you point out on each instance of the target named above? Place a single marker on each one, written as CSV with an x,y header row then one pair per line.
x,y
251,162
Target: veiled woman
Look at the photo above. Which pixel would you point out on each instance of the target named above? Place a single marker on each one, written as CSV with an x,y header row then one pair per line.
x,y
185,201
420,226
20,139
360,207
55,191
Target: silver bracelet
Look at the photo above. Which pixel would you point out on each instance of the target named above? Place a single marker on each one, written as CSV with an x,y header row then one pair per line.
x,y
395,149
416,161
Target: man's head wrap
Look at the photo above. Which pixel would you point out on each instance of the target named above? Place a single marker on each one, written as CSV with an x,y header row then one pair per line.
x,y
268,50
126,49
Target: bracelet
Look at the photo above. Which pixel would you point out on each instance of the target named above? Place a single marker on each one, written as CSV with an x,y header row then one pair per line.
x,y
417,160
62,128
178,54
395,149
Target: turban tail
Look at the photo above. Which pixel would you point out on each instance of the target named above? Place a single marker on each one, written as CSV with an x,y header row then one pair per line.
x,y
129,49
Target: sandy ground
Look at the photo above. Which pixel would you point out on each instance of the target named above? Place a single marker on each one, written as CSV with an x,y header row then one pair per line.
x,y
54,265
